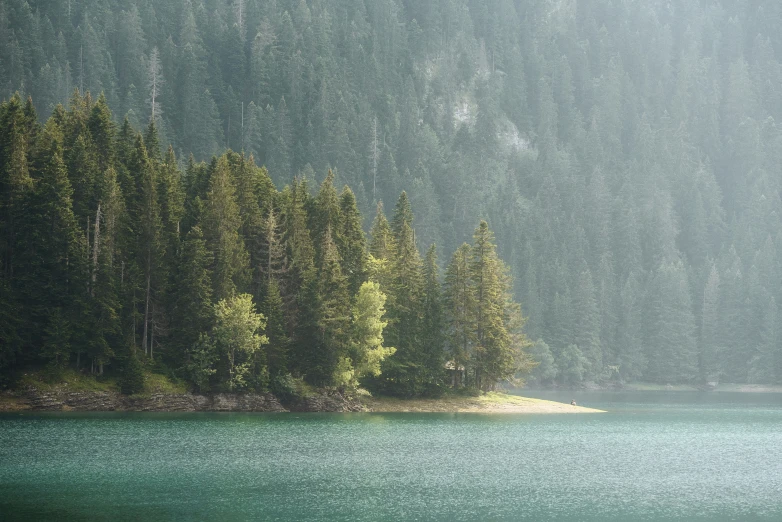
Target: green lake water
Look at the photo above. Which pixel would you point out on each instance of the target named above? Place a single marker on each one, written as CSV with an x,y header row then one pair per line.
x,y
653,456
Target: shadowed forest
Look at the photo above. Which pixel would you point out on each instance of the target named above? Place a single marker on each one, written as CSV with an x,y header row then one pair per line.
x,y
624,154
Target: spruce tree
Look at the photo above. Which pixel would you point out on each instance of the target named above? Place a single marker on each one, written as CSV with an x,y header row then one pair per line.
x,y
191,305
145,219
221,225
351,242
405,373
460,303
381,244
432,322
496,355
333,313
277,350
670,335
53,273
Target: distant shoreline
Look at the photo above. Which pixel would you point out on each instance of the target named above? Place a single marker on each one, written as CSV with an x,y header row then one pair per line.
x,y
652,387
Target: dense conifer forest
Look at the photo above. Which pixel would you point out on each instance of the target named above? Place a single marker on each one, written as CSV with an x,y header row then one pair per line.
x,y
625,153
112,255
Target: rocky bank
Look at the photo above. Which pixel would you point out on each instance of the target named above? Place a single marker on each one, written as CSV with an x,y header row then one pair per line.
x,y
33,399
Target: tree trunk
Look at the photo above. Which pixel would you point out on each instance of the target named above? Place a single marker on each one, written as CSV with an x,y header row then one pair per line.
x,y
146,311
96,246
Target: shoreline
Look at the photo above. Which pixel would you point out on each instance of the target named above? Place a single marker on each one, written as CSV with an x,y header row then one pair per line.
x,y
491,402
650,387
34,400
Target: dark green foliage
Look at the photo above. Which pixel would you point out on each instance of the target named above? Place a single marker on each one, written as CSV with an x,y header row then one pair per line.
x,y
597,157
277,350
351,242
132,374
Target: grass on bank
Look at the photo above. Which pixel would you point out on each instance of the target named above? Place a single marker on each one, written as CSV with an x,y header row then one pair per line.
x,y
69,380
48,380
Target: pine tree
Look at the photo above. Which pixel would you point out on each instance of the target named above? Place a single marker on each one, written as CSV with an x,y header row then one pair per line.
x,y
221,226
381,244
191,305
670,327
586,322
405,372
333,313
460,303
498,353
102,131
15,180
274,311
144,215
709,328
327,212
53,271
432,322
351,242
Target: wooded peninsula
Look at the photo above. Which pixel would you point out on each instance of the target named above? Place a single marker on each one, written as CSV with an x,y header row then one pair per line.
x,y
624,153
113,256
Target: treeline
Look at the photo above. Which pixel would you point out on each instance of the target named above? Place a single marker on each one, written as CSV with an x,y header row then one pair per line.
x,y
626,152
111,255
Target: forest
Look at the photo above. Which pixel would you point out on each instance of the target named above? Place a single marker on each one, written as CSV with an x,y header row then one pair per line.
x,y
113,256
625,153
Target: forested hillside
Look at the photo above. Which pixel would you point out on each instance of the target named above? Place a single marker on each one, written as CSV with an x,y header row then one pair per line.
x,y
625,152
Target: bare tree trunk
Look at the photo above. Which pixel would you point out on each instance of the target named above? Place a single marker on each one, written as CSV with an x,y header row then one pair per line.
x,y
96,247
152,341
146,307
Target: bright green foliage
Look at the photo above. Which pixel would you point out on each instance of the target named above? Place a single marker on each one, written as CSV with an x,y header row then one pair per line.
x,y
238,338
366,351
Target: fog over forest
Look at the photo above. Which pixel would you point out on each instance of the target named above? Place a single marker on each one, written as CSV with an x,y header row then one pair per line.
x,y
624,153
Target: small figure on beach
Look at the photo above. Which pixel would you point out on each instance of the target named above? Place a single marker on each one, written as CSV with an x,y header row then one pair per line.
x,y
572,402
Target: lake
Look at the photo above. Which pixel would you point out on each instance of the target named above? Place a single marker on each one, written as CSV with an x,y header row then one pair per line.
x,y
653,456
